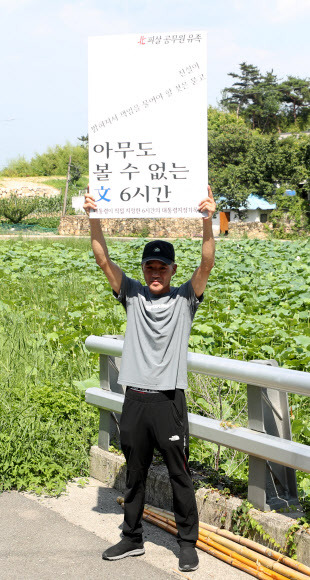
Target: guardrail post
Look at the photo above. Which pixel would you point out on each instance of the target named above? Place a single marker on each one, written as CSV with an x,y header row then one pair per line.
x,y
104,421
108,376
270,485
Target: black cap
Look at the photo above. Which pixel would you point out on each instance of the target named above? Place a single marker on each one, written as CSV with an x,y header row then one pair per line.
x,y
158,250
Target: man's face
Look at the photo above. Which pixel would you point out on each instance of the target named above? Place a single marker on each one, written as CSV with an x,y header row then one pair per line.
x,y
157,275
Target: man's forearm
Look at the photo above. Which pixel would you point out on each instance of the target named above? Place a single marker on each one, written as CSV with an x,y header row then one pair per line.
x,y
112,271
98,242
201,274
208,246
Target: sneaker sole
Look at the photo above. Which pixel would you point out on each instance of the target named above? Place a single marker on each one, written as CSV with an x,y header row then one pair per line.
x,y
137,552
189,569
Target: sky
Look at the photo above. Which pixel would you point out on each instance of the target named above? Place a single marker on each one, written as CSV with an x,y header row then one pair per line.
x,y
43,54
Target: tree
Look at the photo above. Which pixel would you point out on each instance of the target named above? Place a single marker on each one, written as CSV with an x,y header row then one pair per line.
x,y
291,213
266,107
264,101
254,96
296,92
15,208
292,161
84,141
229,140
260,170
237,98
75,173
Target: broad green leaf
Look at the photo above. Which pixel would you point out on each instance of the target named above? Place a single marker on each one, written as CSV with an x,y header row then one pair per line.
x,y
303,340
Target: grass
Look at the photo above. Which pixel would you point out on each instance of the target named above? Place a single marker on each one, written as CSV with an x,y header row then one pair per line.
x,y
60,182
46,428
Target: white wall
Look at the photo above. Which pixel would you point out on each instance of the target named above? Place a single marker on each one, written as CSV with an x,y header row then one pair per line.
x,y
77,203
253,215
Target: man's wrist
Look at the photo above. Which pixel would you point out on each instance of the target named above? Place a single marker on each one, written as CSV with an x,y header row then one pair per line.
x,y
207,223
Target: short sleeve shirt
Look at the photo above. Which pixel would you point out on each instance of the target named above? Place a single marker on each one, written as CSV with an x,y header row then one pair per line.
x,y
156,340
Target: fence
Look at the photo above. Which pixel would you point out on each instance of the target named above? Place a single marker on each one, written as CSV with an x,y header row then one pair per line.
x,y
273,456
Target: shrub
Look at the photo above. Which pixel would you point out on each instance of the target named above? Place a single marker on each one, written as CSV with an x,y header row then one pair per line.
x,y
49,222
53,162
48,204
18,167
291,217
16,208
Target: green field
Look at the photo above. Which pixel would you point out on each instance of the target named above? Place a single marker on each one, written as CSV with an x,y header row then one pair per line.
x,y
53,296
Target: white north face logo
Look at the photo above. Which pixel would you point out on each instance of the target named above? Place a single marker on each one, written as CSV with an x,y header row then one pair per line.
x,y
156,249
174,438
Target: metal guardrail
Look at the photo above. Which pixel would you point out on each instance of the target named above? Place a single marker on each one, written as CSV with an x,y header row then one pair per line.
x,y
273,457
214,366
248,441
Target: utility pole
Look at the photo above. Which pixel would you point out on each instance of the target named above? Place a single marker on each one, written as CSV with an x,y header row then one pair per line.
x,y
66,190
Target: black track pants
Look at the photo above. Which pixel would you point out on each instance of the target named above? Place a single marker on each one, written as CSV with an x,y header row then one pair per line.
x,y
158,421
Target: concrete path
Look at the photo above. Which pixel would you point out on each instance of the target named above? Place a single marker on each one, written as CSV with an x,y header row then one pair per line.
x,y
43,538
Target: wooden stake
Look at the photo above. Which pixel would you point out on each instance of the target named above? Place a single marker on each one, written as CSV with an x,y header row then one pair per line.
x,y
66,190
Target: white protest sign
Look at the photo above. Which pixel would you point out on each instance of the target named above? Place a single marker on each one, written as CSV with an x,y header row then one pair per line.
x,y
148,124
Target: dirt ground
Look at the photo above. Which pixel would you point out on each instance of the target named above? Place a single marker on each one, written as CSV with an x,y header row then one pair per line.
x,y
29,183
36,180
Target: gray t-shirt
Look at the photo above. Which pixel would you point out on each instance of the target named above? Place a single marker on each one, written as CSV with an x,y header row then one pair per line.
x,y
156,340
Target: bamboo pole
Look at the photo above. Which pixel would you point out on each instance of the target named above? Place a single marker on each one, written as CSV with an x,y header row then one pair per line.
x,y
274,555
268,563
256,557
285,560
232,561
257,565
234,547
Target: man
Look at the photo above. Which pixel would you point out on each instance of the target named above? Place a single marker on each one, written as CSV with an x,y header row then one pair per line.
x,y
154,369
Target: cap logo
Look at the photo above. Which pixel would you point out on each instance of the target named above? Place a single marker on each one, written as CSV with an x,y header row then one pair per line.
x,y
156,250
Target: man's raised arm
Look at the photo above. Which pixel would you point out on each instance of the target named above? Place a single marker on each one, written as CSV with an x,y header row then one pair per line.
x,y
201,274
112,271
